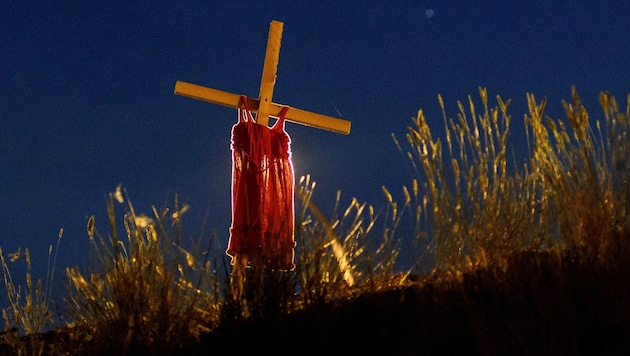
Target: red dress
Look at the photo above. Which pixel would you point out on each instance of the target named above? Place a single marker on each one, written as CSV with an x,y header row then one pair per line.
x,y
262,193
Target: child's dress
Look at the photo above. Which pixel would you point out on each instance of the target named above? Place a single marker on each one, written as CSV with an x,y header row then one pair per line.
x,y
262,193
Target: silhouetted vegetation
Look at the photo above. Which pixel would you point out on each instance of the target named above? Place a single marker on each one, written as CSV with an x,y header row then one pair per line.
x,y
525,260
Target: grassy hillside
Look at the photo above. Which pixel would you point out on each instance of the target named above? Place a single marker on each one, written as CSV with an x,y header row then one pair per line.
x,y
543,303
525,260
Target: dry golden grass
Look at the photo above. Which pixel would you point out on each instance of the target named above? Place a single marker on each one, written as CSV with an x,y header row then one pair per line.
x,y
497,234
149,293
29,311
573,193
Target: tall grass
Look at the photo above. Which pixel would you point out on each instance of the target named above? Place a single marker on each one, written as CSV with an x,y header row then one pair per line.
x,y
475,206
583,174
29,311
572,194
341,256
472,209
150,293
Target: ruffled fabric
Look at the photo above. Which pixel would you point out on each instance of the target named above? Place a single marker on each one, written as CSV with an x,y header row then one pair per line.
x,y
262,193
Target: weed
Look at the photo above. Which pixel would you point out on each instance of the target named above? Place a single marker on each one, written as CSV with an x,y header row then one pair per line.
x,y
573,193
29,310
151,295
493,232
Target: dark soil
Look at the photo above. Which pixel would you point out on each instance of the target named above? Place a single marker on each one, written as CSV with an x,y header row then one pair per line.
x,y
542,304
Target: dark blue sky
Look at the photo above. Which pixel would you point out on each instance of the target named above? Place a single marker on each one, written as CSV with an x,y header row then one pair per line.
x,y
86,96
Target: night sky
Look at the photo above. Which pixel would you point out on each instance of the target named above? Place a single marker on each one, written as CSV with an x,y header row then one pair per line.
x,y
87,103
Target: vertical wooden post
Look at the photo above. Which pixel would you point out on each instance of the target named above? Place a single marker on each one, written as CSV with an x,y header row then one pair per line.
x,y
270,69
267,83
263,107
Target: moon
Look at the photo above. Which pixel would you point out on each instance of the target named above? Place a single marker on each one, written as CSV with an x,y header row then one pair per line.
x,y
429,13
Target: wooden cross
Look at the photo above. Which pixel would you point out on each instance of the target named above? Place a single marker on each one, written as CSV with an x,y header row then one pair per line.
x,y
263,106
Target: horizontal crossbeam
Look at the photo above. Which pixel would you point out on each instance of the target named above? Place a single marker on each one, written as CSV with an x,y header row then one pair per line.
x,y
294,115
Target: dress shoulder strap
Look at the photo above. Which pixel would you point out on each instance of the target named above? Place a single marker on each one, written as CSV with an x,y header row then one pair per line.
x,y
244,115
279,125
